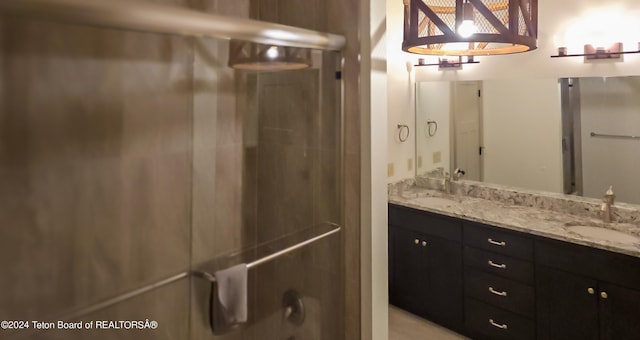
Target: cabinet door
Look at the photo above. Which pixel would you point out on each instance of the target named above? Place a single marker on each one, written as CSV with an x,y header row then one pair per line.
x,y
408,269
619,312
443,282
567,305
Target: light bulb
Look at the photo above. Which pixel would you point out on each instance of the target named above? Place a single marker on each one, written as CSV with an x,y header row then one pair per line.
x,y
467,28
272,52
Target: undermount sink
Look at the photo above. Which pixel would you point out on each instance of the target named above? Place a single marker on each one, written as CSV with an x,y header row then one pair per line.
x,y
604,234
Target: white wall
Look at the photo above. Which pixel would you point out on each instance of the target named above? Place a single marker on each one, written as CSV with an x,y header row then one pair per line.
x,y
610,106
400,95
433,102
523,133
378,251
556,18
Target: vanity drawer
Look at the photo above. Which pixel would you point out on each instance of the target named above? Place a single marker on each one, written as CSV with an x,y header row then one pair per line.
x,y
495,323
498,264
500,292
499,241
596,263
425,222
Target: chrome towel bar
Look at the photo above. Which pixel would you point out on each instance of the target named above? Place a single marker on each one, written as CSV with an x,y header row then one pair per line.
x,y
210,277
219,324
593,134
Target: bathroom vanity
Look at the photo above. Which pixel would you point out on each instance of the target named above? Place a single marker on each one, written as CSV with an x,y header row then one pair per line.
x,y
495,263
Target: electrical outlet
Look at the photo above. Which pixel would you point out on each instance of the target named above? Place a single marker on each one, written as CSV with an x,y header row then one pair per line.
x,y
390,170
410,164
437,157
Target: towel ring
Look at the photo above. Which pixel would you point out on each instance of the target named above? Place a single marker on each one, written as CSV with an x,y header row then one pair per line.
x,y
431,123
401,128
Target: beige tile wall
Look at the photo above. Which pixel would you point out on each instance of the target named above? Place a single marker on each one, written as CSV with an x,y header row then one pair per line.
x,y
163,305
96,164
127,157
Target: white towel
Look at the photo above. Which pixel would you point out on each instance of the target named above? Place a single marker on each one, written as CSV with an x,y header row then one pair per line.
x,y
232,292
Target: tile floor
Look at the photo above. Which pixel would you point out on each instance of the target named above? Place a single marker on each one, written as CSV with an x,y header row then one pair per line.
x,y
406,326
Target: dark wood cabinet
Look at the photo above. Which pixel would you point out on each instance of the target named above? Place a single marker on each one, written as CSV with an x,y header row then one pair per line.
x,y
619,312
409,269
576,299
498,283
575,307
566,308
491,283
426,271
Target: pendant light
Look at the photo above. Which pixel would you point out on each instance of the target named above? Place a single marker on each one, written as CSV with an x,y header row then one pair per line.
x,y
470,27
260,57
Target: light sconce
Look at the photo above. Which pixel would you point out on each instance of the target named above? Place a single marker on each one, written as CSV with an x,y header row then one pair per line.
x,y
258,57
447,63
614,52
470,27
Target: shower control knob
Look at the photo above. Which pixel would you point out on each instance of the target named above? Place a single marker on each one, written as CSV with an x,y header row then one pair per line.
x,y
293,307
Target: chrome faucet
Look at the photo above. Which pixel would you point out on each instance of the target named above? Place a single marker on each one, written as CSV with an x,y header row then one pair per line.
x,y
457,174
447,178
446,182
607,201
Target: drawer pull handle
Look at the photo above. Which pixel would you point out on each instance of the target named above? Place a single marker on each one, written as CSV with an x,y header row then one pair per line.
x,y
503,326
501,265
416,241
497,243
604,295
591,291
497,292
424,243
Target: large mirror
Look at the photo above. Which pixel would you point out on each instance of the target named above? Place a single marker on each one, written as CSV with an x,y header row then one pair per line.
x,y
572,135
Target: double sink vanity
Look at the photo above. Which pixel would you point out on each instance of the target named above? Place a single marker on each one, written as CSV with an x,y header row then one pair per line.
x,y
494,262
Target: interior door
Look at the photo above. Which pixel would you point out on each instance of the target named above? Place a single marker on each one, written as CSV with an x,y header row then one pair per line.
x,y
467,129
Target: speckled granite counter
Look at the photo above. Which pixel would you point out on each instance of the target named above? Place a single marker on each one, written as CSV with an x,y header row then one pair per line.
x,y
548,215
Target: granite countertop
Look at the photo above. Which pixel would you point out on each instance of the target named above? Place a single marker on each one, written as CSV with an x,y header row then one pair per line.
x,y
522,218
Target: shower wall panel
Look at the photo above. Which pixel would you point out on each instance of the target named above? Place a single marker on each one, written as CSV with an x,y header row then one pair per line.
x,y
95,162
127,158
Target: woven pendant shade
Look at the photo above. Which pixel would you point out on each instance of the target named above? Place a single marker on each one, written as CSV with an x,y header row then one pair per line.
x,y
490,27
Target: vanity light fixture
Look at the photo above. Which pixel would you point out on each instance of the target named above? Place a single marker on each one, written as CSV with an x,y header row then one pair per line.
x,y
470,27
259,57
449,63
597,53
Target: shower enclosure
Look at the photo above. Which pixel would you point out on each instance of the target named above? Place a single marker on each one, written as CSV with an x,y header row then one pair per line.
x,y
136,165
599,136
